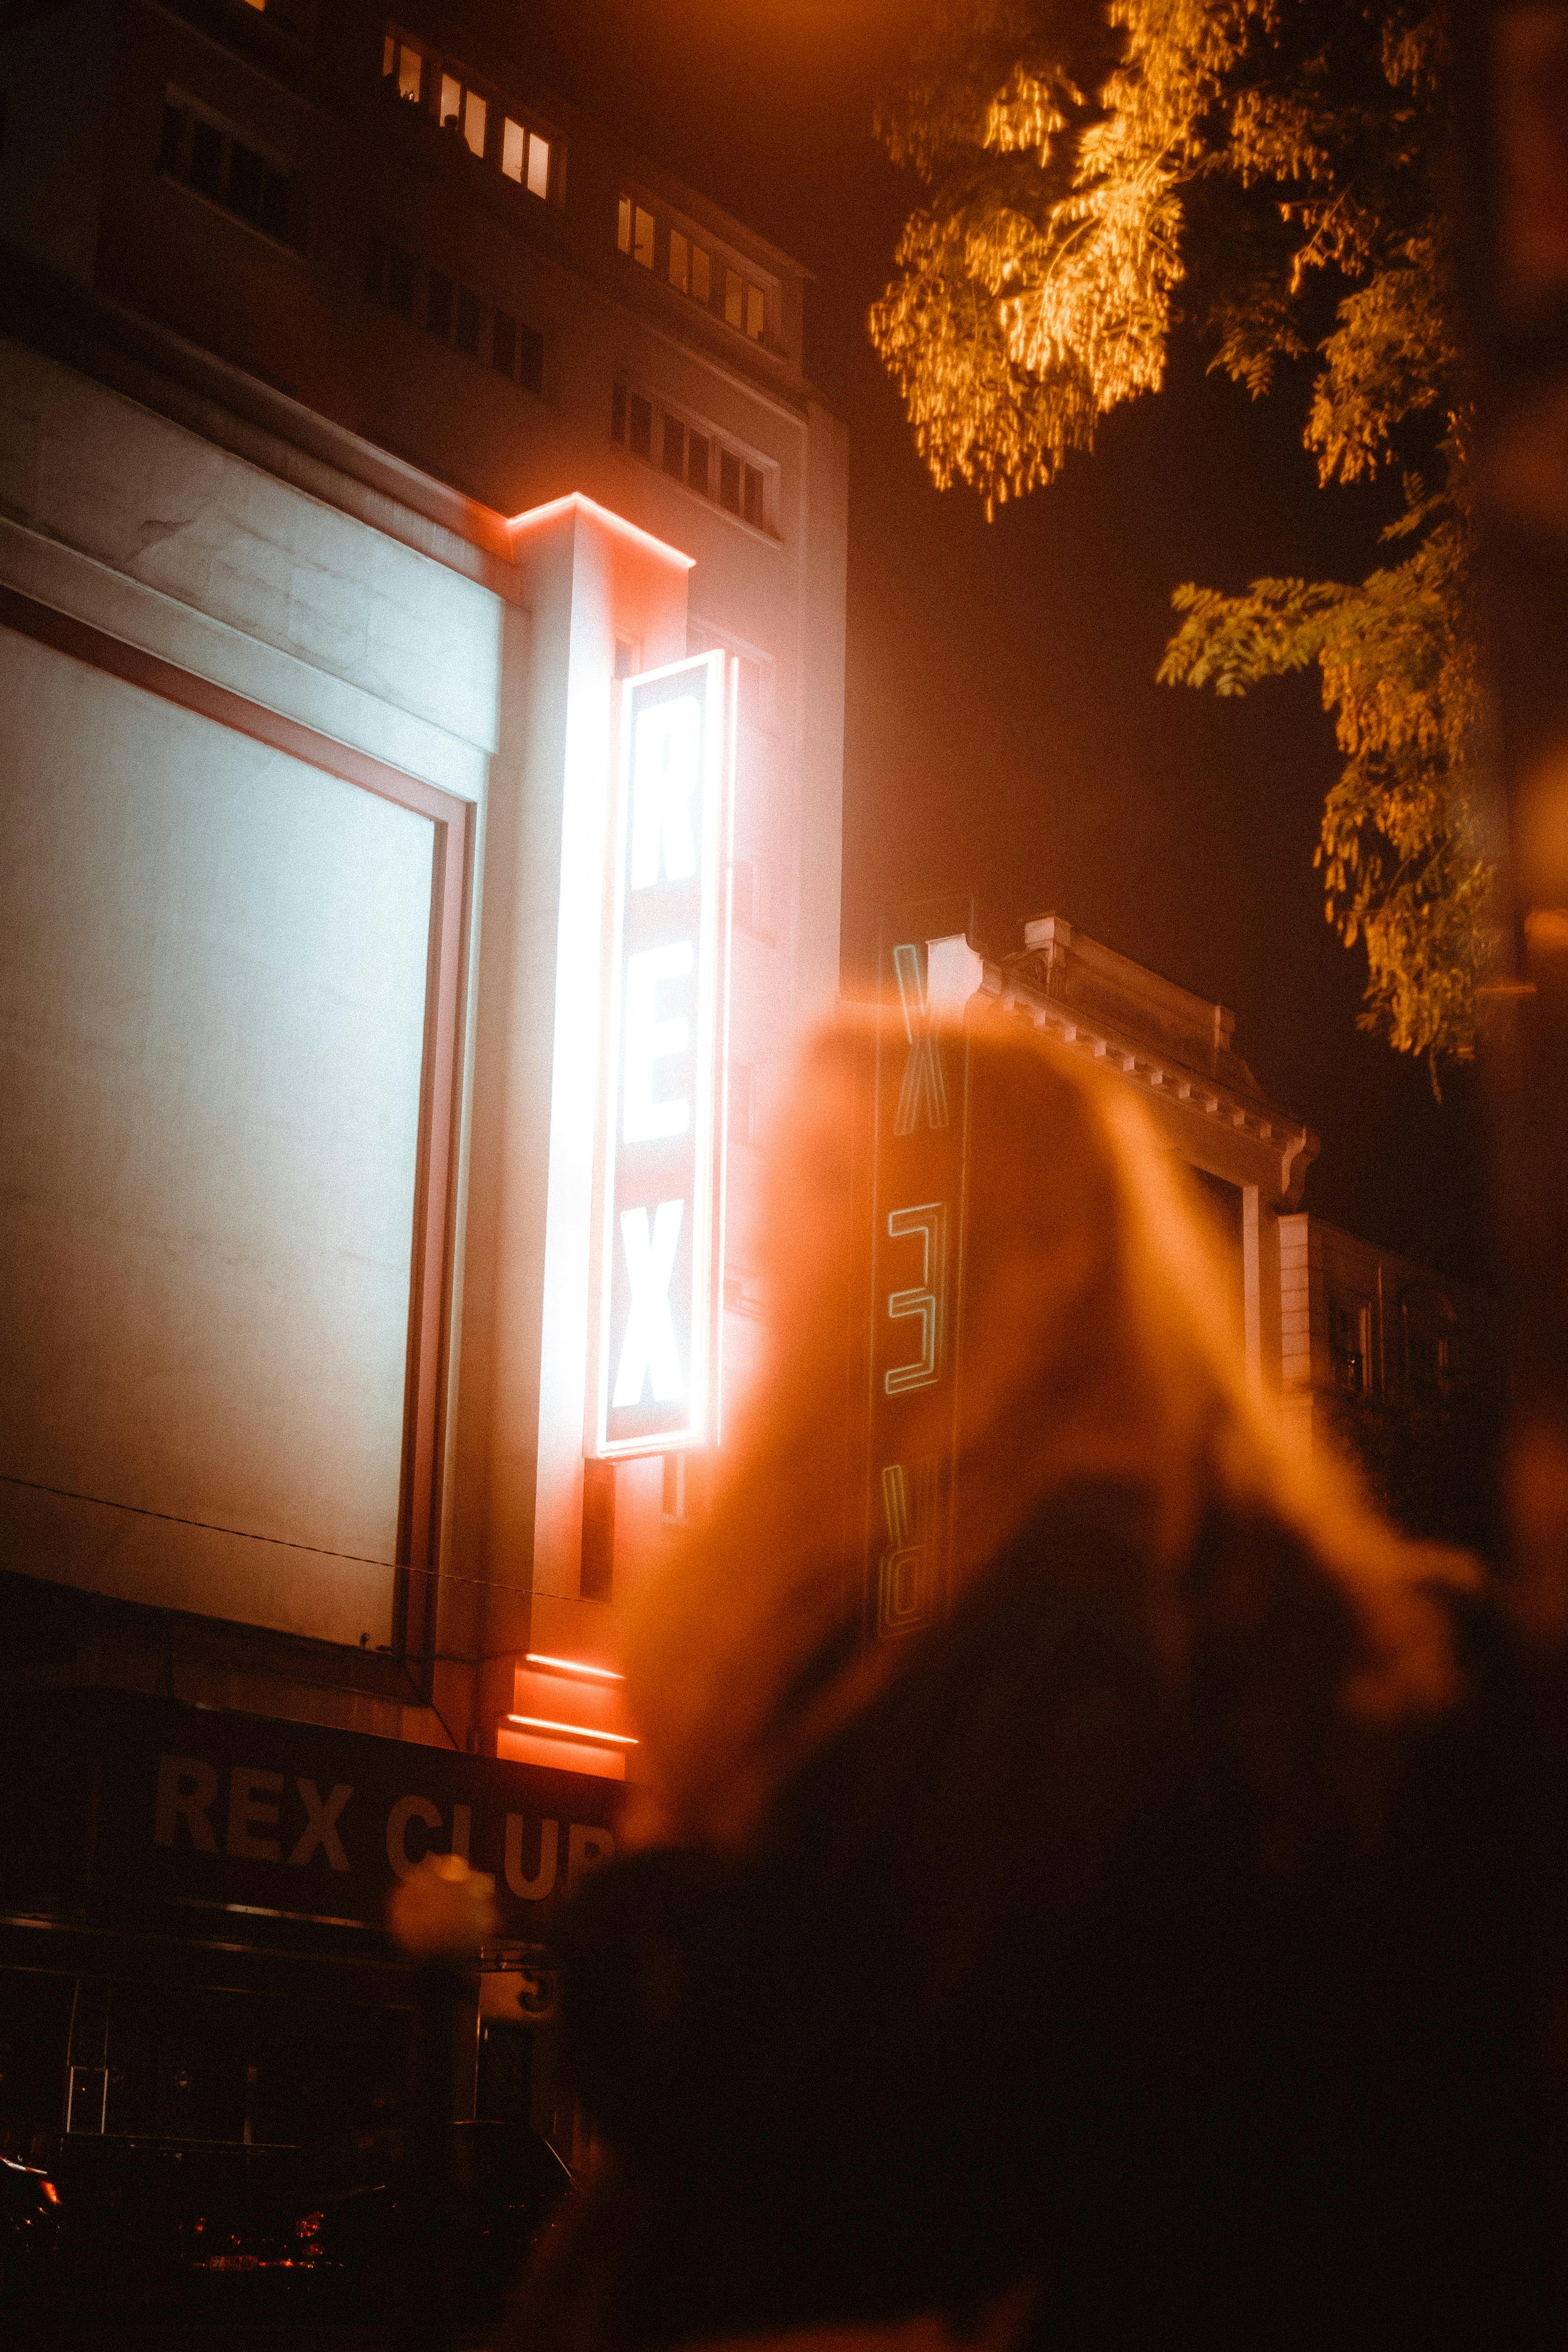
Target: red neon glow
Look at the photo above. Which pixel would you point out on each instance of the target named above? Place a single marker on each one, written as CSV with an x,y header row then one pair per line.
x,y
575,501
573,1666
573,1730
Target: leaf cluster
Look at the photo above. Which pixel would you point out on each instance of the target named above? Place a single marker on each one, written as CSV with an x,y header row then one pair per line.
x,y
1261,175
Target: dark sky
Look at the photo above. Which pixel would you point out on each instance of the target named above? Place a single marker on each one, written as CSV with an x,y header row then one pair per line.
x,y
1004,734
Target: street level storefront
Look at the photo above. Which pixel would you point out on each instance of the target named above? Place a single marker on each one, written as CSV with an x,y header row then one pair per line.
x,y
194,1976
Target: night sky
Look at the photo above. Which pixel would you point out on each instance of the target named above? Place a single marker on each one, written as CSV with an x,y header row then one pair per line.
x,y
1004,734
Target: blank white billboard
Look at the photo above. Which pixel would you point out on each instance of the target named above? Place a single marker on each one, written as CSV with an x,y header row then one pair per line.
x,y
212,981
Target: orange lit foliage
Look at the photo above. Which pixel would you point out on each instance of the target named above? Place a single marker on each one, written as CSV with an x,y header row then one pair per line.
x,y
1275,161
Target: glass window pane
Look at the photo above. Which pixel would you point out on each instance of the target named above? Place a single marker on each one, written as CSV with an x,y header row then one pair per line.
x,y
701,275
470,310
206,156
475,115
754,497
503,343
513,139
678,259
439,304
735,298
538,165
530,359
756,311
173,133
729,480
276,190
410,73
639,426
697,462
245,174
623,225
388,53
451,98
643,244
674,447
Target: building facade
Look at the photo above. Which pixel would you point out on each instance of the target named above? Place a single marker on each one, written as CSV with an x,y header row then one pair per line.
x,y
380,440
1400,1368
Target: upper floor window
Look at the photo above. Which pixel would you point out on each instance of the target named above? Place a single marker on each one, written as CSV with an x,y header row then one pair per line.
x,y
492,127
454,313
693,454
675,254
220,162
1349,1322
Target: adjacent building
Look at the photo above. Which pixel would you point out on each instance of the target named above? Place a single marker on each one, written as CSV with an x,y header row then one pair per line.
x,y
1401,1367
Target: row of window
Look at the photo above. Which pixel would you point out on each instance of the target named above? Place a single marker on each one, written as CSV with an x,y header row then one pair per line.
x,y
1424,1359
209,157
454,313
691,269
519,150
691,455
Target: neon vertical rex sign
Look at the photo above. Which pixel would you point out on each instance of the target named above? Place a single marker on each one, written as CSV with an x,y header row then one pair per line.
x,y
663,1168
918,1173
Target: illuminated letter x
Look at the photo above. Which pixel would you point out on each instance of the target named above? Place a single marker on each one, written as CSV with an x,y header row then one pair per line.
x,y
649,1349
924,1081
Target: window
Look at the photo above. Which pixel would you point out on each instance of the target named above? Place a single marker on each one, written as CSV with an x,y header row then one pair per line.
x,y
455,314
756,312
1349,1321
441,87
464,112
206,158
226,168
734,299
530,359
688,265
729,481
634,232
692,455
410,69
